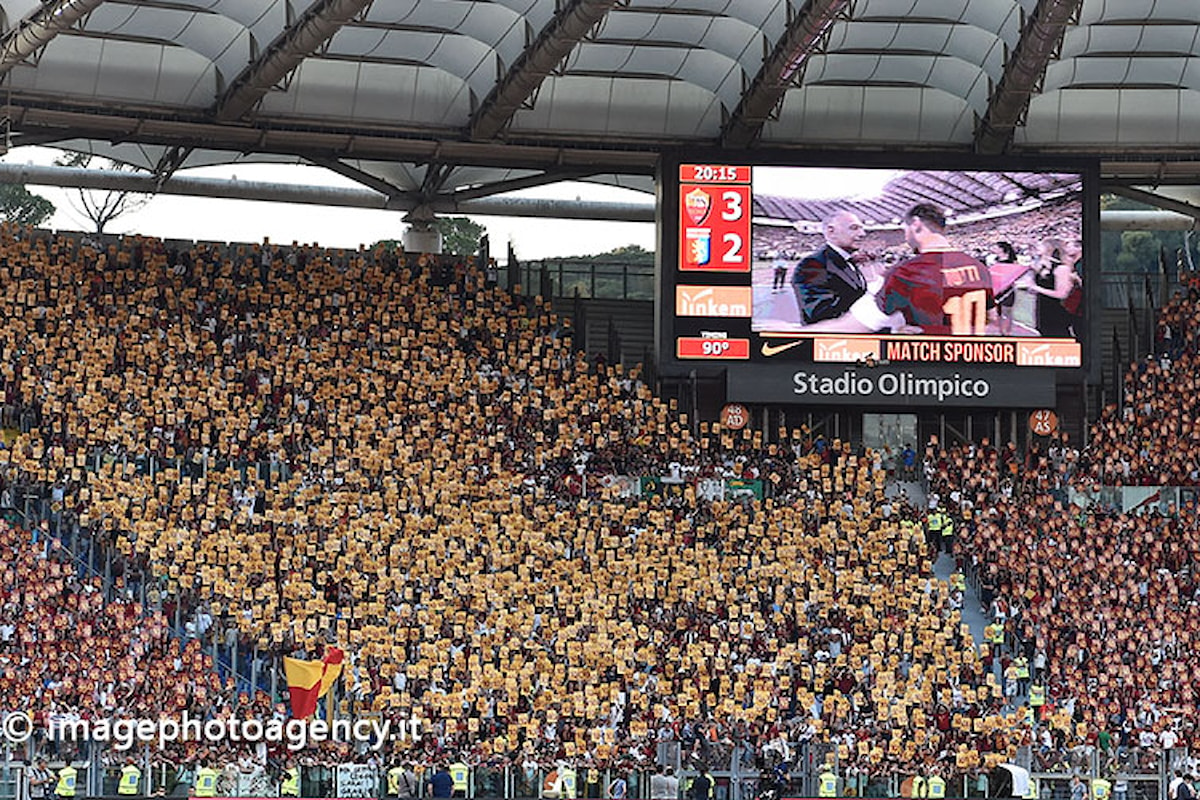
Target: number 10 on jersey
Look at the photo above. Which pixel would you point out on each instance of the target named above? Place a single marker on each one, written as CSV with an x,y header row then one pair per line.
x,y
714,228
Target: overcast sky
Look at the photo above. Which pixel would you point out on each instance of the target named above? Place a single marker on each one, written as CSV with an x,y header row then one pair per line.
x,y
249,221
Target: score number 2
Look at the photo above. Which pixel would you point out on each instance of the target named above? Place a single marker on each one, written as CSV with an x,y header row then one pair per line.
x,y
733,213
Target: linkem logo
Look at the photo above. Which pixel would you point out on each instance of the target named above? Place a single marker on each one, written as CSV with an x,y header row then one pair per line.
x,y
844,351
1049,354
713,301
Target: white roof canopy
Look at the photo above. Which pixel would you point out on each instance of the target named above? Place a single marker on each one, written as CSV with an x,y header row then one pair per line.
x,y
420,98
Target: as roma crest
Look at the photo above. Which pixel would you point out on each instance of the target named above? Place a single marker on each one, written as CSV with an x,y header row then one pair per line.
x,y
698,205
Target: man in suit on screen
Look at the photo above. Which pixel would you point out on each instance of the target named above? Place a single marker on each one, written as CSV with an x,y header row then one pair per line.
x,y
828,282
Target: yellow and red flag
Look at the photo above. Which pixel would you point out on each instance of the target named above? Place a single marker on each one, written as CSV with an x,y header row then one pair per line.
x,y
309,681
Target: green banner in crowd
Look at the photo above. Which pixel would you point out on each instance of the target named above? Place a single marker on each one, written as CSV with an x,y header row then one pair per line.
x,y
738,488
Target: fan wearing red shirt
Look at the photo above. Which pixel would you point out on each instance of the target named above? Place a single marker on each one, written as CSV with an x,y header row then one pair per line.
x,y
940,290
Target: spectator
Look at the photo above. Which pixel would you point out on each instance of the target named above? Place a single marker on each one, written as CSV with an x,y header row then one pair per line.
x,y
441,784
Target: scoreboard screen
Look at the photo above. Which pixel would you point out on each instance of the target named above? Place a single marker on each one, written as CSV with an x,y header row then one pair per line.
x,y
778,262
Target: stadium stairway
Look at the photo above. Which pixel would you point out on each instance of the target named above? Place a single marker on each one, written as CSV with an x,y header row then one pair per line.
x,y
972,614
910,489
944,566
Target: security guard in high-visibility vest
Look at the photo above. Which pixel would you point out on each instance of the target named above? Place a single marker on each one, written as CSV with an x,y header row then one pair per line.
x,y
947,534
933,527
570,783
290,785
827,782
66,782
1032,792
919,787
1037,696
994,633
460,773
206,781
700,787
937,787
1022,665
958,580
131,776
1101,789
395,776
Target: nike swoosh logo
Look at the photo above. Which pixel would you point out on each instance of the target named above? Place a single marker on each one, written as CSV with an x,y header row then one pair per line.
x,y
769,350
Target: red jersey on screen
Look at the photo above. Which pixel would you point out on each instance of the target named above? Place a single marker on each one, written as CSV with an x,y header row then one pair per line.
x,y
942,292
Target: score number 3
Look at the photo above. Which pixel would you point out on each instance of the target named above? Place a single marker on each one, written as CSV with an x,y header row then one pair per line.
x,y
732,213
968,313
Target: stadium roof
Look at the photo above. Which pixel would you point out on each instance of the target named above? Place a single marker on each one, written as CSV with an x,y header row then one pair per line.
x,y
422,99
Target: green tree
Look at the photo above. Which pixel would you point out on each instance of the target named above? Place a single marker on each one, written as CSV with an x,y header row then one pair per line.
x,y
629,254
633,254
18,204
460,235
1139,252
629,250
623,254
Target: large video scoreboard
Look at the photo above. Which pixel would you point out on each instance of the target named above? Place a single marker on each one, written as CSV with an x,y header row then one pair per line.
x,y
931,272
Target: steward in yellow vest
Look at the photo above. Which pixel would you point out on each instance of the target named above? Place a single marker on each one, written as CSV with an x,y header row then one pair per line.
x,y
569,783
290,785
827,784
947,534
994,633
131,776
460,773
206,781
66,782
394,777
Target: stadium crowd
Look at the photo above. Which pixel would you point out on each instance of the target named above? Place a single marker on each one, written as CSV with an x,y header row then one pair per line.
x,y
1091,598
1097,600
426,491
425,429
1151,437
67,652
